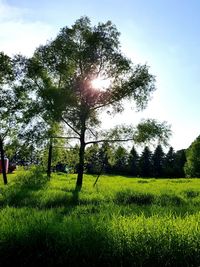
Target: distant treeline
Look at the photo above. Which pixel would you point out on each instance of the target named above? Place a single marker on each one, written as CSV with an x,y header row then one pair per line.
x,y
111,160
107,158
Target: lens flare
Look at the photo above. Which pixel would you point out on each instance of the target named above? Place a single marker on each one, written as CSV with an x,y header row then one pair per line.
x,y
100,83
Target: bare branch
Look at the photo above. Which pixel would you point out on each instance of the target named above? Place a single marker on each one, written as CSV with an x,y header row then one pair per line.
x,y
65,137
103,105
71,127
109,140
91,132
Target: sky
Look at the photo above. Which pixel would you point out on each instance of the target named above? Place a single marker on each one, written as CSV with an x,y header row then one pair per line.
x,y
164,34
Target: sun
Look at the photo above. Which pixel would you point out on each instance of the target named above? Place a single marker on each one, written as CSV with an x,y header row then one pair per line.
x,y
100,83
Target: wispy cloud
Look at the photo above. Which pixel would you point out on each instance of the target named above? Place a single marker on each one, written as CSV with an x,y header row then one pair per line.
x,y
8,12
18,34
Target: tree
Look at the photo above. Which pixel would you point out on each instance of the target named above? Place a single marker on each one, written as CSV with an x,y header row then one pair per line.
x,y
133,162
6,76
180,160
106,152
13,101
92,159
99,158
72,158
192,165
20,152
145,163
63,73
158,161
169,163
121,161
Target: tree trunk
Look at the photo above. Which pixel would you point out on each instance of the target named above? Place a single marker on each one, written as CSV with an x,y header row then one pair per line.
x,y
3,163
83,118
49,160
79,181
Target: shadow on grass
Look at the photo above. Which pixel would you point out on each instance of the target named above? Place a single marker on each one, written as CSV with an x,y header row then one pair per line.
x,y
130,197
35,196
75,197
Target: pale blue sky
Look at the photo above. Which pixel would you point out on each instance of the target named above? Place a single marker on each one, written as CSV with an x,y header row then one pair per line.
x,y
165,34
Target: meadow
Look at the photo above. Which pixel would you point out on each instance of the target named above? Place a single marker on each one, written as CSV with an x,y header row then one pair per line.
x,y
122,221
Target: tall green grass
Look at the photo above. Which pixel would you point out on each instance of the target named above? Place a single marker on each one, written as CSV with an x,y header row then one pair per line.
x,y
120,222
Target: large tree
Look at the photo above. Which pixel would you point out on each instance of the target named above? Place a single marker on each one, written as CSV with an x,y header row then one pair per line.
x,y
83,72
13,101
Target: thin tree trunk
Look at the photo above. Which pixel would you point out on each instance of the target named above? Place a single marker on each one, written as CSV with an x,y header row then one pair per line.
x,y
79,181
83,118
49,159
3,163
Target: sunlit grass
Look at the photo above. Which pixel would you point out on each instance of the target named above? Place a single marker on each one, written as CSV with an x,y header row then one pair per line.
x,y
122,221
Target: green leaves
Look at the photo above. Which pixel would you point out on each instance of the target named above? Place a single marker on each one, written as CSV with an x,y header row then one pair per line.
x,y
13,97
192,166
65,67
6,69
149,130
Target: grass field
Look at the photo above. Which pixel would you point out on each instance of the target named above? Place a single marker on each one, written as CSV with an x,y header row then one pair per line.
x,y
122,221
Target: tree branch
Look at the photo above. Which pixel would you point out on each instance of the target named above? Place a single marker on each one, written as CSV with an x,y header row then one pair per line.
x,y
71,127
109,140
91,131
103,105
65,137
107,104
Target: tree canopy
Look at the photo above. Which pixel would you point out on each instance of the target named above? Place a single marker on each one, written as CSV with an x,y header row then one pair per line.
x,y
62,73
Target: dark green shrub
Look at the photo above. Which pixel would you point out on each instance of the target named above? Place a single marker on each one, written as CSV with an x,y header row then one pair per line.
x,y
165,200
19,193
131,197
34,177
143,182
191,193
